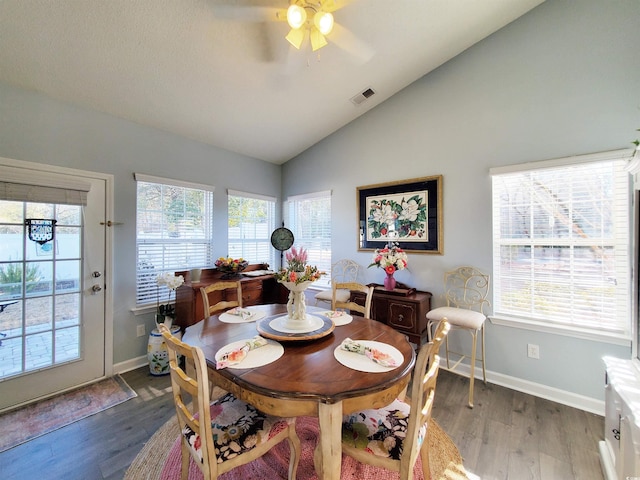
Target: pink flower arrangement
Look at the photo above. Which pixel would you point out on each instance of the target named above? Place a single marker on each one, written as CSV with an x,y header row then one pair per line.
x,y
391,259
297,270
297,259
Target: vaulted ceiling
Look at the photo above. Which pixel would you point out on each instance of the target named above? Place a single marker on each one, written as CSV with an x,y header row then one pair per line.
x,y
221,71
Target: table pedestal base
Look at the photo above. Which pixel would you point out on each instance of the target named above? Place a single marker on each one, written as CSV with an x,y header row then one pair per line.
x,y
327,457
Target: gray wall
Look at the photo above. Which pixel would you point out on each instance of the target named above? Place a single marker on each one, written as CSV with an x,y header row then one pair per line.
x,y
37,129
562,80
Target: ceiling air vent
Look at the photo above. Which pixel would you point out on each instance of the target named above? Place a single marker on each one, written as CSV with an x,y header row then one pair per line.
x,y
363,96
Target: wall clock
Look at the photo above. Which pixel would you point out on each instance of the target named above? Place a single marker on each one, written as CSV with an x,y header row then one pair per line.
x,y
282,239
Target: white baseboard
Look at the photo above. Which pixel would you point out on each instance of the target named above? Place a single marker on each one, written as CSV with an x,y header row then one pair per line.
x,y
131,364
581,402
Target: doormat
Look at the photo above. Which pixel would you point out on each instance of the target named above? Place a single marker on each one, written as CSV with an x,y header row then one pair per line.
x,y
31,421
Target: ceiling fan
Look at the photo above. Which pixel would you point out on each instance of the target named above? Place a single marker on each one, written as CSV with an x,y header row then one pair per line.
x,y
307,19
313,16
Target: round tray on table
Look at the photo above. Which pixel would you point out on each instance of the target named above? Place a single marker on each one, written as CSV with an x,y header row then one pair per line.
x,y
266,330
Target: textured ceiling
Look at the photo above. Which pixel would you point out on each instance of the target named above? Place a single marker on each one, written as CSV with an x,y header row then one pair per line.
x,y
221,72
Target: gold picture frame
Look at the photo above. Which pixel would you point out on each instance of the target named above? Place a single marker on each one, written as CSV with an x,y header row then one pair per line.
x,y
406,212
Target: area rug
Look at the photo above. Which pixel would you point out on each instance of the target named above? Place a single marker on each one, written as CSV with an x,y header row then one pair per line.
x,y
160,459
29,422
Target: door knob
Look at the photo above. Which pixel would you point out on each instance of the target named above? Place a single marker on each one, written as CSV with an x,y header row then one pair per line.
x,y
96,288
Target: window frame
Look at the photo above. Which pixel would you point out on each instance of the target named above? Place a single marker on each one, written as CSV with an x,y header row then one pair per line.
x,y
144,296
624,215
295,223
271,206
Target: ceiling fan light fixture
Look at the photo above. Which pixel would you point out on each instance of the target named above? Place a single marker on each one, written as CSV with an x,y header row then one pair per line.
x,y
296,16
317,39
295,37
323,22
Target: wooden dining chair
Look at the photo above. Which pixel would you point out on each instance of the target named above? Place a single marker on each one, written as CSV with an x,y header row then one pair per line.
x,y
437,339
337,302
392,437
224,288
227,433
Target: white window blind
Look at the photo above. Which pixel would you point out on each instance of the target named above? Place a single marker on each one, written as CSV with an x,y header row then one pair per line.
x,y
173,231
251,221
309,218
561,244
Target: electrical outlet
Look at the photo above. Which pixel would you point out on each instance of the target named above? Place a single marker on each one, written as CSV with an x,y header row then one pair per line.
x,y
140,330
533,351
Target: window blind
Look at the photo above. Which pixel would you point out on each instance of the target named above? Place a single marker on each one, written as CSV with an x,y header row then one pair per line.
x,y
561,245
174,231
23,185
251,221
309,218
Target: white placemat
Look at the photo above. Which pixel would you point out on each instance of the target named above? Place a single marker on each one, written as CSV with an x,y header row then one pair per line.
x,y
271,352
280,324
229,317
338,316
362,363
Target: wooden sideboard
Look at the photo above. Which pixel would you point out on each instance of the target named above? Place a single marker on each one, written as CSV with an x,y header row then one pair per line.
x,y
405,313
258,290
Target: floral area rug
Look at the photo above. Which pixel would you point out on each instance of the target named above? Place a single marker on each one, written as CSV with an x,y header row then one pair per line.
x,y
160,459
26,423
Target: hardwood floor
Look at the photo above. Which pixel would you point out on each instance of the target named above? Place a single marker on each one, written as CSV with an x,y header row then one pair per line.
x,y
507,435
512,435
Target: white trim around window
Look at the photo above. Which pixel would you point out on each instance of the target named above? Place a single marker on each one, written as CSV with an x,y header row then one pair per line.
x,y
562,255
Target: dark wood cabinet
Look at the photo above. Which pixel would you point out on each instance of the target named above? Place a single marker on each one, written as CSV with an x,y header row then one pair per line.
x,y
405,313
263,289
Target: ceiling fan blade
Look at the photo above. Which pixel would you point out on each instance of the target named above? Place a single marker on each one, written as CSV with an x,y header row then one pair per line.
x,y
250,14
344,39
333,5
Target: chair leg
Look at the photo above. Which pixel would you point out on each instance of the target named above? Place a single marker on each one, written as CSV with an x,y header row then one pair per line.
x,y
295,450
474,344
446,348
424,456
484,370
186,457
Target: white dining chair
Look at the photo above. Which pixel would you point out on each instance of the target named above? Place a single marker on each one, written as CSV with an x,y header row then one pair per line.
x,y
342,271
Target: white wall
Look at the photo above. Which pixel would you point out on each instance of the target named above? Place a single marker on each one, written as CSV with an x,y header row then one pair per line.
x,y
38,129
562,80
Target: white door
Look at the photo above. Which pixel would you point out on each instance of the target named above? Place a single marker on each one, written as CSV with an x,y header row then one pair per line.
x,y
52,302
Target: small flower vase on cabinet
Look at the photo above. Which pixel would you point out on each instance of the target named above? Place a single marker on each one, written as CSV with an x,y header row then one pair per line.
x,y
389,282
157,352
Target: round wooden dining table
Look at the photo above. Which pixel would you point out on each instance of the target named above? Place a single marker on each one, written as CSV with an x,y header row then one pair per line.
x,y
307,379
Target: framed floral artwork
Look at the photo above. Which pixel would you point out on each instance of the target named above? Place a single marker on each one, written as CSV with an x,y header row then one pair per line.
x,y
406,212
